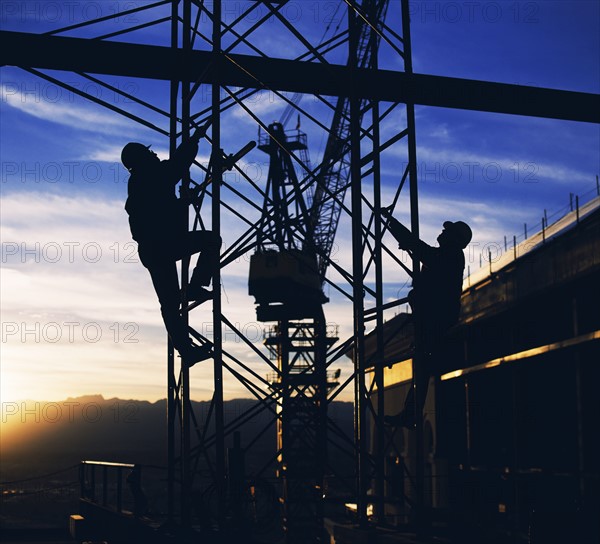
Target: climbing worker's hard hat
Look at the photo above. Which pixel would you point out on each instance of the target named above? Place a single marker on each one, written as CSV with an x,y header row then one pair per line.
x,y
459,231
132,153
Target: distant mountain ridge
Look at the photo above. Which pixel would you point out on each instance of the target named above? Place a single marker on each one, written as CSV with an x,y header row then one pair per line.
x,y
39,436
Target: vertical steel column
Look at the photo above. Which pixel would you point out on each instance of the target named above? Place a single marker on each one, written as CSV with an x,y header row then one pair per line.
x,y
377,259
416,268
186,465
320,363
516,461
360,424
217,175
285,403
579,406
171,379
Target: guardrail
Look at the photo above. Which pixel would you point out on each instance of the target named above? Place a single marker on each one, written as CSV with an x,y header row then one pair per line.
x,y
102,483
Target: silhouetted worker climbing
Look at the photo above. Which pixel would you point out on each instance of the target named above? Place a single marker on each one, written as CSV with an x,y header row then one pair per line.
x,y
158,221
434,299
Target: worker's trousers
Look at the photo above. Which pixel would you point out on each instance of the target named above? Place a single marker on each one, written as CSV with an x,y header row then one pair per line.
x,y
160,258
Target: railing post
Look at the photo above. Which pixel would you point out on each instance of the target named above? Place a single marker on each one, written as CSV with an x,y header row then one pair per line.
x,y
119,490
543,229
93,483
104,485
82,480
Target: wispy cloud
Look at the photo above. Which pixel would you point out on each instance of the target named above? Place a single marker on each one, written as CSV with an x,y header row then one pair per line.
x,y
536,170
112,153
266,105
107,154
72,115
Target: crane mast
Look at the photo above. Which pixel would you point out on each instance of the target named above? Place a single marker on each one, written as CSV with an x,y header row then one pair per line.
x,y
285,282
287,273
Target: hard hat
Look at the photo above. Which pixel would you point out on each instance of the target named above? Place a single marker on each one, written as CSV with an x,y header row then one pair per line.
x,y
459,231
131,154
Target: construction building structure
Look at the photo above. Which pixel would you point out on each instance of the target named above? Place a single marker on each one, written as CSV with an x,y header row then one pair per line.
x,y
510,438
205,51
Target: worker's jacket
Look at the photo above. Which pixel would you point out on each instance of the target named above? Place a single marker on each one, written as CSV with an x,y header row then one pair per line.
x,y
156,216
439,285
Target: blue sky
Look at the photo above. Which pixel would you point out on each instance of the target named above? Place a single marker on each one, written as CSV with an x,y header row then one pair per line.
x,y
79,315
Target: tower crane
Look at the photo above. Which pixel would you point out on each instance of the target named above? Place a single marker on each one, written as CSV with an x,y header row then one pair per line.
x,y
287,274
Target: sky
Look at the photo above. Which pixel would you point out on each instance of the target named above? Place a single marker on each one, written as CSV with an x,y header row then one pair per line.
x,y
79,315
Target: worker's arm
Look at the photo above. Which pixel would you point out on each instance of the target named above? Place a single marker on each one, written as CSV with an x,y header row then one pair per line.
x,y
406,239
200,132
184,155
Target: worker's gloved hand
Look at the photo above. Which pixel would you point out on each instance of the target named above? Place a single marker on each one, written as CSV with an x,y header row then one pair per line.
x,y
201,131
403,236
192,193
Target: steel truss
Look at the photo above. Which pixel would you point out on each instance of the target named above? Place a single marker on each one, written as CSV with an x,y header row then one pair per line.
x,y
208,51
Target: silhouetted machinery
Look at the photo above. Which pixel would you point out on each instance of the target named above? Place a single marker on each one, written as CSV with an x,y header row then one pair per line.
x,y
284,275
285,284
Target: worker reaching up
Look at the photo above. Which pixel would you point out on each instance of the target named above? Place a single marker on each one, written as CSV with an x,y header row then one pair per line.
x,y
158,222
434,299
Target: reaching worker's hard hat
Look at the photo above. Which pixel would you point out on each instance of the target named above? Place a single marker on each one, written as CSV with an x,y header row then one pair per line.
x,y
132,153
459,231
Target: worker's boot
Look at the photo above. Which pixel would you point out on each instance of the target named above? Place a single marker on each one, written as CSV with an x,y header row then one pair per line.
x,y
196,291
192,354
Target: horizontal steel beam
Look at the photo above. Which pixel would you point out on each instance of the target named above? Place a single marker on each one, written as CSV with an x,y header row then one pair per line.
x,y
164,63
